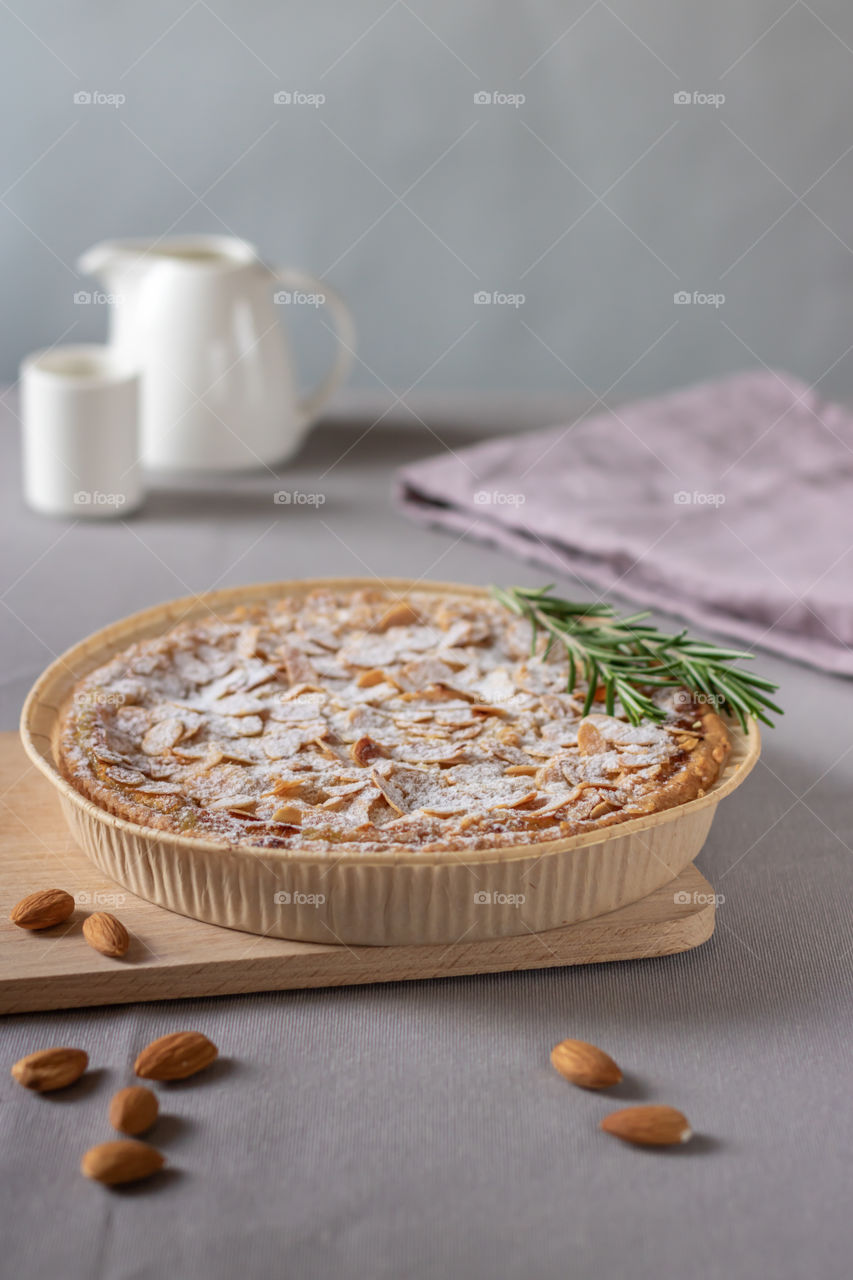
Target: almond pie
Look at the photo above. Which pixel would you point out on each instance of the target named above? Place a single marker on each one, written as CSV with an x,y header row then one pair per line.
x,y
361,722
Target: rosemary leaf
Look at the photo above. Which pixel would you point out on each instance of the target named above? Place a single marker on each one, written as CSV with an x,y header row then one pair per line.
x,y
631,658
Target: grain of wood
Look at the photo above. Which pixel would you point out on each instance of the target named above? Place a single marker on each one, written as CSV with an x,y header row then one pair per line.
x,y
179,958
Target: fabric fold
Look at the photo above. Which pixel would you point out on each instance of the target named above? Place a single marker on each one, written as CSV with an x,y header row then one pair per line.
x,y
729,503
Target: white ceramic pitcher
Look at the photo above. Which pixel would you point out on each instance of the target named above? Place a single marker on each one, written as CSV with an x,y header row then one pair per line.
x,y
199,316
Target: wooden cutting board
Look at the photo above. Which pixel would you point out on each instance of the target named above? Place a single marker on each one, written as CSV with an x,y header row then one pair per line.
x,y
172,957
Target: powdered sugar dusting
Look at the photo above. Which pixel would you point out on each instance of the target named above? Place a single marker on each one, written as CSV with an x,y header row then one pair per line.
x,y
464,739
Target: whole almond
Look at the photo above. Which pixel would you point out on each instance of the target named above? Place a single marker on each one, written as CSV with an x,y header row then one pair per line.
x,y
133,1110
122,1160
42,910
648,1126
50,1069
584,1064
106,934
176,1056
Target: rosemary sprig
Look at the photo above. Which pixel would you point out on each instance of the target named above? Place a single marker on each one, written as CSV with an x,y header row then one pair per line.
x,y
630,658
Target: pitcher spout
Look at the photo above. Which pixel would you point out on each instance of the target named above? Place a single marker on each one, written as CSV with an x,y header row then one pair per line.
x,y
106,260
210,253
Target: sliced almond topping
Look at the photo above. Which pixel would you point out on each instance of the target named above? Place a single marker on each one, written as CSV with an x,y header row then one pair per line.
x,y
487,709
299,668
288,813
332,750
126,777
552,806
236,804
518,802
423,672
390,792
590,741
297,690
162,736
232,757
442,810
439,751
399,615
438,693
521,771
248,726
149,787
247,642
465,735
365,750
286,787
346,796
287,742
367,679
238,705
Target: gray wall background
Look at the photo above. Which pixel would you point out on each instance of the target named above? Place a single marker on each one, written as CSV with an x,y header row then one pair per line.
x,y
598,198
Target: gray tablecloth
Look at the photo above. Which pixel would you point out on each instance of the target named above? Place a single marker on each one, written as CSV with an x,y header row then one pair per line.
x,y
418,1130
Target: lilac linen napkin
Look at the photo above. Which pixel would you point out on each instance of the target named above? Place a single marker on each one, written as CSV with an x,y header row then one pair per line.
x,y
729,503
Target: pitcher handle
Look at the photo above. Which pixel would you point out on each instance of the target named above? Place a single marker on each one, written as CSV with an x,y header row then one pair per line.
x,y
344,331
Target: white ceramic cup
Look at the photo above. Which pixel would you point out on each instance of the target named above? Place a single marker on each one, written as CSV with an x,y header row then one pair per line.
x,y
80,415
